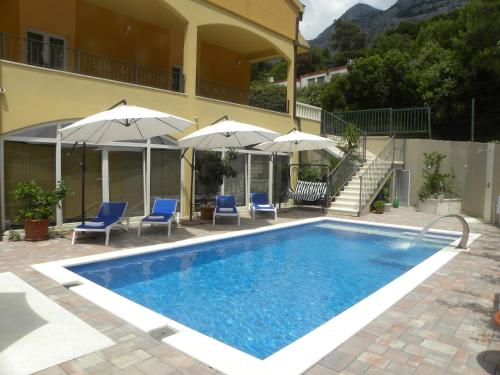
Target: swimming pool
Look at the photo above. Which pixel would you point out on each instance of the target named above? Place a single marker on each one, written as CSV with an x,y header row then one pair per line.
x,y
262,292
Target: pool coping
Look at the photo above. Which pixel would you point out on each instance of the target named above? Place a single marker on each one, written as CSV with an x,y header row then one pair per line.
x,y
292,359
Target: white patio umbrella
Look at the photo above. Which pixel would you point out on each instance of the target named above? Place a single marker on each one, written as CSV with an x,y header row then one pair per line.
x,y
224,133
227,133
124,122
296,141
119,123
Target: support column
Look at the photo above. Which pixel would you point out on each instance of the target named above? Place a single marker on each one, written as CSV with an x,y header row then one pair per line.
x,y
186,186
105,174
2,186
488,213
147,190
59,213
190,58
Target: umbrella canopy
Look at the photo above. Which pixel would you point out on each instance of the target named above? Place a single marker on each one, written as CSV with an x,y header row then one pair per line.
x,y
227,133
120,123
124,122
296,141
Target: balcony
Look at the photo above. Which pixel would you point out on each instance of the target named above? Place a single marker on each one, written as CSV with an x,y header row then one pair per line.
x,y
53,55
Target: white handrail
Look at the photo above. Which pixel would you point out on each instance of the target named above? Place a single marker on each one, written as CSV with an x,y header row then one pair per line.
x,y
308,111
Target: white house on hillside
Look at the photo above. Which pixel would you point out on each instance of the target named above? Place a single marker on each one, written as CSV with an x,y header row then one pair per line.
x,y
319,77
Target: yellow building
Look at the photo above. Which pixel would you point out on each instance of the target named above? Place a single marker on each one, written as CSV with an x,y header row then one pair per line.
x,y
62,60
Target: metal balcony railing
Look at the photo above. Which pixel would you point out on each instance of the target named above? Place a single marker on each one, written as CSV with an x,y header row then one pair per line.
x,y
56,56
389,121
232,94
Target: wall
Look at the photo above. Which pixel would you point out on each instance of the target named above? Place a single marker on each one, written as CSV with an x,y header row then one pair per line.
x,y
496,184
224,70
9,16
277,15
110,34
466,160
51,16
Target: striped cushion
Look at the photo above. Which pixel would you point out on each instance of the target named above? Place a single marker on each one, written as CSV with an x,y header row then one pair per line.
x,y
309,191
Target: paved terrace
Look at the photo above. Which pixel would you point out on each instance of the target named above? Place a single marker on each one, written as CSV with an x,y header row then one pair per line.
x,y
442,326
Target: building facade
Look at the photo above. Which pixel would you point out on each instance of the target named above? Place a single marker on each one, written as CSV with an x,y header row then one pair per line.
x,y
65,60
319,77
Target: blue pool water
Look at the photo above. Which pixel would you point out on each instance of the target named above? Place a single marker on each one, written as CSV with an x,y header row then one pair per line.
x,y
259,293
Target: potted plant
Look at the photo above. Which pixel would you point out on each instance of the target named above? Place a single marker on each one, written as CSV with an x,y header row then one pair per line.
x,y
436,195
36,206
211,170
379,206
385,198
395,203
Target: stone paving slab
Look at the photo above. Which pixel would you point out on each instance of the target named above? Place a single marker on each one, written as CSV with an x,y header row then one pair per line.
x,y
442,327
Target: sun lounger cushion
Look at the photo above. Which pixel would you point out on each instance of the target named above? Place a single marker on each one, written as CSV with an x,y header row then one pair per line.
x,y
94,224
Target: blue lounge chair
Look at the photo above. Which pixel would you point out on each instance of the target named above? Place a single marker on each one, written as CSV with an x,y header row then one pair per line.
x,y
260,202
163,212
110,215
225,205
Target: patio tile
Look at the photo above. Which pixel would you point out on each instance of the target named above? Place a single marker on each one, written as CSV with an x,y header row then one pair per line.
x,y
153,366
337,360
440,327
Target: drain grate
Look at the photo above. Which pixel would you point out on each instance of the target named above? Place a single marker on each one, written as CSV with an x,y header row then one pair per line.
x,y
161,332
71,284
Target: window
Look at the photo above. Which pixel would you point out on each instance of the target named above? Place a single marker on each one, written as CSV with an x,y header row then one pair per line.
x,y
45,50
165,174
24,161
310,81
176,79
259,179
321,79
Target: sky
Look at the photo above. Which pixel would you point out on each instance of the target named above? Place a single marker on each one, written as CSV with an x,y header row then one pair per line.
x,y
319,14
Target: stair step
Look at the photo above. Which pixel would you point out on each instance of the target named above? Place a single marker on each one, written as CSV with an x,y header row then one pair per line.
x,y
349,206
344,211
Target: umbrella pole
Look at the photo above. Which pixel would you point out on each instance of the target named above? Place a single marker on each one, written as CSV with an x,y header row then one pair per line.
x,y
84,169
192,187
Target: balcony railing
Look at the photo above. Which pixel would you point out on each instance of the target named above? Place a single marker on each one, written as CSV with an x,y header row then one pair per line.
x,y
58,57
229,93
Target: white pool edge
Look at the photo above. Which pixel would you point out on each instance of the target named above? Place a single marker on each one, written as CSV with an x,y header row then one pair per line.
x,y
292,359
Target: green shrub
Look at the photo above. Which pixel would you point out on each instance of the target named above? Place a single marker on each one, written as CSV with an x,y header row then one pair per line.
x,y
435,182
35,202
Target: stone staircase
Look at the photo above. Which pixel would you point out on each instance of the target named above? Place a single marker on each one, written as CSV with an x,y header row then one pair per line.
x,y
347,201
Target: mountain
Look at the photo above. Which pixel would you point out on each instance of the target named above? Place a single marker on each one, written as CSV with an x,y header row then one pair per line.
x,y
373,21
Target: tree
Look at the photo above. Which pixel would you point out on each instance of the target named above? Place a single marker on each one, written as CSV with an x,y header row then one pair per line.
x,y
267,95
439,78
348,41
311,94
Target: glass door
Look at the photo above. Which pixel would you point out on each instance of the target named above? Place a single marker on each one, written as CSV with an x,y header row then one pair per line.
x,y
126,179
45,50
259,174
236,185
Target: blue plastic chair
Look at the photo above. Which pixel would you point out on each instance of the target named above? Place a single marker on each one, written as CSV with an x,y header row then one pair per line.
x,y
110,215
163,212
260,202
225,205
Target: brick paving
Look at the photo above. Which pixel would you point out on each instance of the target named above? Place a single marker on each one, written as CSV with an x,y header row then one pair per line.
x,y
442,327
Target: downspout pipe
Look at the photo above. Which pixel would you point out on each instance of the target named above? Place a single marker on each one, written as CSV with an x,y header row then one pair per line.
x,y
295,54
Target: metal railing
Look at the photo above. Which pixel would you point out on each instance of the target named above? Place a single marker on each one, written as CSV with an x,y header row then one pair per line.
x,y
341,174
57,57
370,179
309,112
389,121
336,127
233,94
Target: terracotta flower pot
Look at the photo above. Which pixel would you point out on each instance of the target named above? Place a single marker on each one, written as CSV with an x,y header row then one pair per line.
x,y
379,210
36,230
206,213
